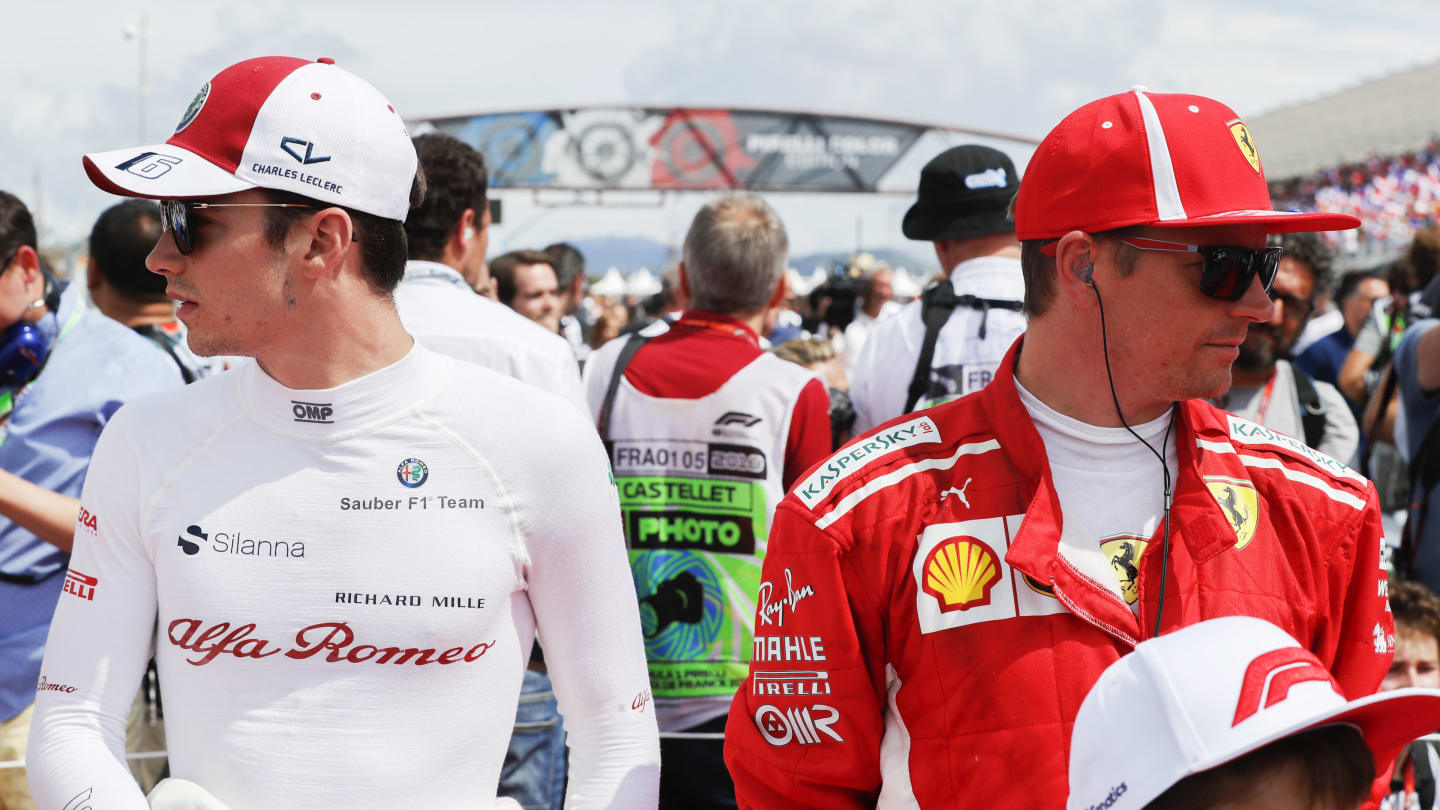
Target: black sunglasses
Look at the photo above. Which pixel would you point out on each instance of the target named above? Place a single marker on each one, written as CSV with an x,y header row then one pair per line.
x,y
175,217
1227,270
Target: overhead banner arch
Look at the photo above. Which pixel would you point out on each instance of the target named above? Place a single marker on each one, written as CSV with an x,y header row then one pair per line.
x,y
679,148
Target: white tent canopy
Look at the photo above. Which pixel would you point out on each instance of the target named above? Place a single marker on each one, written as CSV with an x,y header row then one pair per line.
x,y
642,284
611,285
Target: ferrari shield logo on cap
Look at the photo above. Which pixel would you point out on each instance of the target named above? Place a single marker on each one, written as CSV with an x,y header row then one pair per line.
x,y
1237,499
196,104
1124,552
1246,143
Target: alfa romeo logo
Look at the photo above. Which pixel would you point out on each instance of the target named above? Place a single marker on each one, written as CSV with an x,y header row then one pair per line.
x,y
194,109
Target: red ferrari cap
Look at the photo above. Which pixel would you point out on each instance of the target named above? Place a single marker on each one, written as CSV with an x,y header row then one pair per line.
x,y
1160,159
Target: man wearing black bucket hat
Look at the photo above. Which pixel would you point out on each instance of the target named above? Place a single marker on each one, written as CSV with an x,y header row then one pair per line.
x,y
949,342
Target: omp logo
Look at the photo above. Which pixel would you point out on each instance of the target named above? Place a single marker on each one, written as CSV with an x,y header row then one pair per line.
x,y
318,413
149,165
738,418
798,724
1289,666
309,156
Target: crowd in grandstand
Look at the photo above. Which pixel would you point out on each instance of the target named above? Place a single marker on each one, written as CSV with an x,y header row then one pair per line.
x,y
1393,196
308,500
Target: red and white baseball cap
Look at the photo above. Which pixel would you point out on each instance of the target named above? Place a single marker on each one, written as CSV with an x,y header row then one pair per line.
x,y
1141,158
276,122
1209,693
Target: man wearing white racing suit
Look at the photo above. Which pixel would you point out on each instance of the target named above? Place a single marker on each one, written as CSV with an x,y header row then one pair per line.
x,y
339,586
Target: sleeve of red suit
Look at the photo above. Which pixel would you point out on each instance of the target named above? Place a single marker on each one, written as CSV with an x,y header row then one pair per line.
x,y
1364,633
809,442
818,609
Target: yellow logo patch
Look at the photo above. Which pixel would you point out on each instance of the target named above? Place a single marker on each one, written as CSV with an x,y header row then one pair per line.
x,y
1124,552
1243,139
960,572
1237,499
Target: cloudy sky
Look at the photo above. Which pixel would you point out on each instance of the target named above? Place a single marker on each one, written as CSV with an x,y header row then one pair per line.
x,y
1013,66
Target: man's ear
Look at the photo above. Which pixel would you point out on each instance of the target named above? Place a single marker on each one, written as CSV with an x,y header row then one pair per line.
x,y
780,290
684,280
93,277
331,233
27,261
1075,255
459,243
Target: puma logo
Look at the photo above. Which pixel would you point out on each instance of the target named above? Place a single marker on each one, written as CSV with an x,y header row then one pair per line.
x,y
959,493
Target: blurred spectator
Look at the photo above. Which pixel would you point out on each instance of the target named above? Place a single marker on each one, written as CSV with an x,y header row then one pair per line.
x,y
614,319
875,304
447,235
668,304
1417,663
819,356
1265,386
569,264
1417,373
123,288
673,298
525,281
1379,334
64,371
1355,298
964,194
707,432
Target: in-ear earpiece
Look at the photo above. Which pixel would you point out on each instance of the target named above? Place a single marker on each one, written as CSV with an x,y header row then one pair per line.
x,y
1087,275
469,233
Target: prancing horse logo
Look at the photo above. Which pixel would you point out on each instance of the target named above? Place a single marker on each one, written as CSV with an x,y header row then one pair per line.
x,y
1238,515
1239,504
959,493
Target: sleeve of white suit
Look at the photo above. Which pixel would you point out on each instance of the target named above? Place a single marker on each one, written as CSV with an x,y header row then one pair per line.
x,y
586,614
100,640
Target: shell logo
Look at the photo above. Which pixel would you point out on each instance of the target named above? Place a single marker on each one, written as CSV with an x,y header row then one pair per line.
x,y
960,573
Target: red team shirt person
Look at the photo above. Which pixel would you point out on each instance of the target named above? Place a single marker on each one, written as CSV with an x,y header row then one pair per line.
x,y
958,578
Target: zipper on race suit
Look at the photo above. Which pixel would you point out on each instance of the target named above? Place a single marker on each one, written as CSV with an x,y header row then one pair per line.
x,y
1090,618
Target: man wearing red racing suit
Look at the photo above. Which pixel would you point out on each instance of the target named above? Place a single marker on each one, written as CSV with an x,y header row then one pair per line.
x,y
934,604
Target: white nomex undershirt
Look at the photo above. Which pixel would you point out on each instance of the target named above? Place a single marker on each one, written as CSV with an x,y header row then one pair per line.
x,y
1111,490
342,588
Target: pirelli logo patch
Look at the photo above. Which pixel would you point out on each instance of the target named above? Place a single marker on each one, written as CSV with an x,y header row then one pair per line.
x,y
1247,432
858,456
